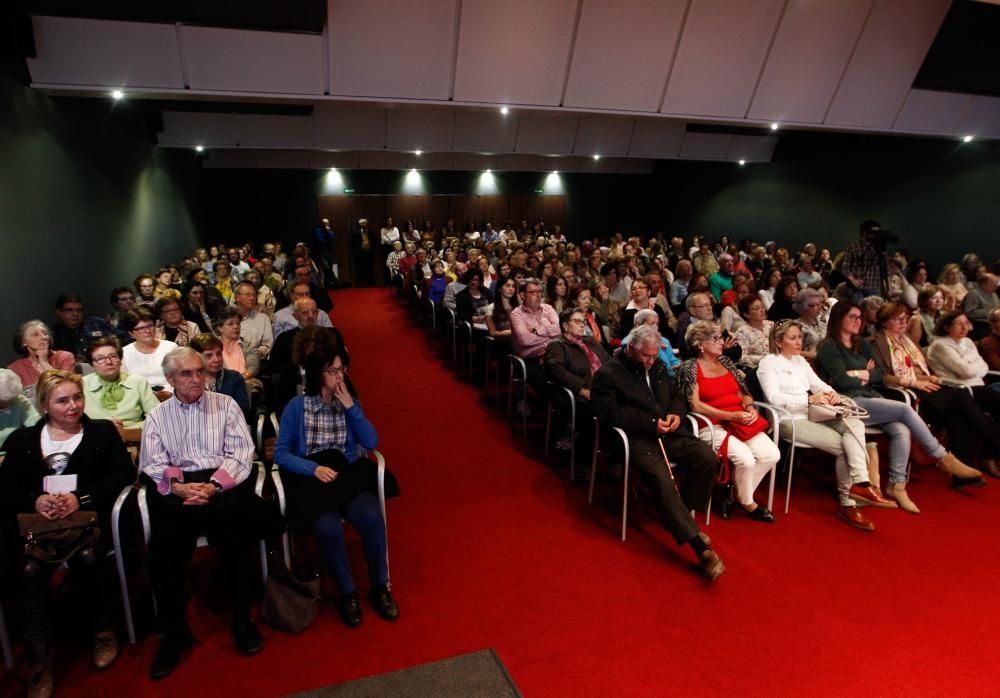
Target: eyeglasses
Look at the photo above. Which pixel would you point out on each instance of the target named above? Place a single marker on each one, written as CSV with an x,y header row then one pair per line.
x,y
577,320
335,370
143,328
714,338
106,359
854,316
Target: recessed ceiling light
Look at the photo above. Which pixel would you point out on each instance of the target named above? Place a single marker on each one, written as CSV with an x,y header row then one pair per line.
x,y
743,162
596,156
199,148
413,171
555,172
774,126
504,110
967,139
117,94
418,152
489,171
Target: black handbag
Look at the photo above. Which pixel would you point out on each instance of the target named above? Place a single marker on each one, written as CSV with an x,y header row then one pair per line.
x,y
288,604
57,540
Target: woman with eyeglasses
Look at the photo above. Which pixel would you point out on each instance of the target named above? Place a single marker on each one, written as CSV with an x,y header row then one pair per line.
x,y
144,356
122,300
328,479
123,398
716,388
848,362
955,357
789,382
970,430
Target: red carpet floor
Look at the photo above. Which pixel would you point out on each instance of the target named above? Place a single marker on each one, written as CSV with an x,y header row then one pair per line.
x,y
489,547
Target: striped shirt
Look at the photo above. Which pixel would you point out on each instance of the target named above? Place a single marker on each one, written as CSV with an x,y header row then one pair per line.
x,y
208,434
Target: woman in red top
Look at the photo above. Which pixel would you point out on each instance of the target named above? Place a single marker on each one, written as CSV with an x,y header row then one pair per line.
x,y
715,387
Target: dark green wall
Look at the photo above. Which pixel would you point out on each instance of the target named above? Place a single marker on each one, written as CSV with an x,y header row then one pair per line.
x,y
85,203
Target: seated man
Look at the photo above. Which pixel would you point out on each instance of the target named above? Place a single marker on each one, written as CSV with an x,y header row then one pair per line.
x,y
256,333
979,302
700,307
196,458
303,275
533,325
284,319
75,330
634,392
305,314
722,280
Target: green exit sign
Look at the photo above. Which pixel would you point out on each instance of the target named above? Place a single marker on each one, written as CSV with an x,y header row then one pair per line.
x,y
348,190
539,191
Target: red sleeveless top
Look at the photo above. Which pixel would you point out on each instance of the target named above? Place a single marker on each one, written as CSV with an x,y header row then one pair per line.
x,y
721,392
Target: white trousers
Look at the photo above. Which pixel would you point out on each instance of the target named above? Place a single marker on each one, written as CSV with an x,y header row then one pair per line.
x,y
843,438
751,460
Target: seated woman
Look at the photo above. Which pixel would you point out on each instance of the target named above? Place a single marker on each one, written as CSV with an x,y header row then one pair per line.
x,y
772,278
218,378
950,280
641,300
955,358
666,354
471,300
437,283
848,362
714,387
753,334
33,341
498,312
145,285
730,317
904,365
790,383
234,355
327,479
122,398
679,286
784,296
605,307
580,298
556,290
65,442
223,280
809,306
197,305
144,356
172,325
930,305
16,410
122,300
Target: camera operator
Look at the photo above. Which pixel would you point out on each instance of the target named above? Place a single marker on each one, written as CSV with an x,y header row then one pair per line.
x,y
864,262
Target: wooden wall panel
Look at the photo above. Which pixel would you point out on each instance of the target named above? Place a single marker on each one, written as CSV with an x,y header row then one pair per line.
x,y
344,212
495,209
530,207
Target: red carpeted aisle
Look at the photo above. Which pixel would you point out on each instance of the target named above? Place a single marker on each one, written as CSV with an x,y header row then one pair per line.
x,y
491,548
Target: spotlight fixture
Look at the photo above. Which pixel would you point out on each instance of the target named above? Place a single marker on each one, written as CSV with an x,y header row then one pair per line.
x,y
555,172
418,152
597,156
966,139
489,171
333,170
117,94
504,111
774,126
742,163
413,171
199,148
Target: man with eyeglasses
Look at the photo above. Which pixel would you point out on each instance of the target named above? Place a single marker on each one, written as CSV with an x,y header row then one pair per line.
x,y
76,330
285,320
701,306
533,325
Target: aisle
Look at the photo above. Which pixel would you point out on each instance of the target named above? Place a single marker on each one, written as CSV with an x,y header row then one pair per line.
x,y
491,548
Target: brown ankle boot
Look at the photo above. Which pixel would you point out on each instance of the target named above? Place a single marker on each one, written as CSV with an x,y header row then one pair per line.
x,y
897,491
105,649
873,469
953,466
40,684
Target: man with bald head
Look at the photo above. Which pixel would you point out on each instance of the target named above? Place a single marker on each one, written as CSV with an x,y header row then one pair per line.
x,y
285,319
304,314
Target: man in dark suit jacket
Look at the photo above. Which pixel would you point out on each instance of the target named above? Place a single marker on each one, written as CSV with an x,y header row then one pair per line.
x,y
634,392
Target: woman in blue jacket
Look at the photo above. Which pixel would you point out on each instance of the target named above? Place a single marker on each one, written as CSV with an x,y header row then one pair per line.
x,y
327,479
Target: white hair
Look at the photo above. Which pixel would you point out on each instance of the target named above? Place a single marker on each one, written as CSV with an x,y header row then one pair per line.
x,y
10,385
175,356
642,316
643,335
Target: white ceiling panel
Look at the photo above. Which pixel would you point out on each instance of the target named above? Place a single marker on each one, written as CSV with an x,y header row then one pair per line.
x,y
236,60
810,51
514,52
931,112
420,129
982,118
185,128
98,52
603,135
888,55
706,146
721,54
546,133
488,131
386,48
622,53
752,148
657,138
345,126
275,131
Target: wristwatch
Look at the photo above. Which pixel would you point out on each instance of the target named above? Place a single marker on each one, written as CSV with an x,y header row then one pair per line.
x,y
219,489
84,500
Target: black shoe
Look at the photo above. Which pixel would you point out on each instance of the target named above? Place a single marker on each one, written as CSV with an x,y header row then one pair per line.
x,y
384,604
960,482
247,637
168,654
761,514
350,610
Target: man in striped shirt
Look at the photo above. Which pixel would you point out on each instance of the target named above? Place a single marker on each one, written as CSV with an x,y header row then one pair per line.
x,y
196,460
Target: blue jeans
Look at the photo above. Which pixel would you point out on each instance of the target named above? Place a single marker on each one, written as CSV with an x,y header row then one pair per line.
x,y
898,420
362,512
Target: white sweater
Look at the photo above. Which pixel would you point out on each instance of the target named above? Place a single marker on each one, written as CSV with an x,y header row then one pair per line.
x,y
959,361
149,366
787,382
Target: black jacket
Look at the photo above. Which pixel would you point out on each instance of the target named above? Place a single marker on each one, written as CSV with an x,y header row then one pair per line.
x,y
567,365
102,465
621,397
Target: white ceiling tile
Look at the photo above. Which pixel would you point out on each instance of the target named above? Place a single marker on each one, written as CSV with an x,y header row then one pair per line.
x,y
810,51
622,53
386,48
275,131
99,52
931,112
487,131
752,148
603,135
514,52
420,129
706,146
237,60
889,54
982,118
657,138
185,128
346,126
546,133
721,54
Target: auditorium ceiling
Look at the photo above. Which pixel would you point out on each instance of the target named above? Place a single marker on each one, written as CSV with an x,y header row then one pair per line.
x,y
368,83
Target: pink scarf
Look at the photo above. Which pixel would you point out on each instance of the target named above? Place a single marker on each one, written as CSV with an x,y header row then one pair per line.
x,y
595,362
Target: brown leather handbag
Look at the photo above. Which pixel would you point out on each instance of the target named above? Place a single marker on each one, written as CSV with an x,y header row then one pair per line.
x,y
58,540
288,604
